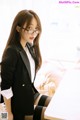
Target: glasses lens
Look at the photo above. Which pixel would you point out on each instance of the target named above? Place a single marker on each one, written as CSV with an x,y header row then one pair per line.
x,y
30,31
36,31
33,31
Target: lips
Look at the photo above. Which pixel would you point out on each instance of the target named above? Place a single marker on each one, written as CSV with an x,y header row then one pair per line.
x,y
31,38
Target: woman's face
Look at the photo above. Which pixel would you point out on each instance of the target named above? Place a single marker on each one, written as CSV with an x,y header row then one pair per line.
x,y
30,33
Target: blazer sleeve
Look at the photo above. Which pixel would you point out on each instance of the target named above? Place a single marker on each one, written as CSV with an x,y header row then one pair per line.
x,y
8,67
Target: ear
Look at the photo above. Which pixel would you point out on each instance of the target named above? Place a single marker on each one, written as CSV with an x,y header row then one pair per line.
x,y
18,29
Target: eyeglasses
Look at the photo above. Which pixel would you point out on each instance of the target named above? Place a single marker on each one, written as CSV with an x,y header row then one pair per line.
x,y
30,31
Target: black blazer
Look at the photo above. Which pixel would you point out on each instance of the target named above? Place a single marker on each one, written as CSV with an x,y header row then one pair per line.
x,y
16,73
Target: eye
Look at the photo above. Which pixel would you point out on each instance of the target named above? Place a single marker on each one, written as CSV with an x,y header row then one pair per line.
x,y
29,28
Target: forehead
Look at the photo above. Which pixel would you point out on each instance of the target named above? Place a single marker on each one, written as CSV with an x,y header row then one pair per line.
x,y
33,22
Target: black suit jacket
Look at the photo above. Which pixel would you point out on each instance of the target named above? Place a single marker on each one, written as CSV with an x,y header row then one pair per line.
x,y
16,73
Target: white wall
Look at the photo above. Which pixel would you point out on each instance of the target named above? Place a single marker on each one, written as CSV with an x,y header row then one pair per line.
x,y
61,28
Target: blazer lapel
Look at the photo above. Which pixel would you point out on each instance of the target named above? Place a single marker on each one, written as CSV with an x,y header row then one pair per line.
x,y
24,57
26,61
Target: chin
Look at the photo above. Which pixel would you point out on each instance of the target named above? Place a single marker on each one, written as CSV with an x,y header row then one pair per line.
x,y
31,42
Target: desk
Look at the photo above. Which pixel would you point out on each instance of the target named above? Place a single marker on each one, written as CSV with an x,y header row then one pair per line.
x,y
65,104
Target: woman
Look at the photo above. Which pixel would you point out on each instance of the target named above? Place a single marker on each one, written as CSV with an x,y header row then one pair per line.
x,y
20,62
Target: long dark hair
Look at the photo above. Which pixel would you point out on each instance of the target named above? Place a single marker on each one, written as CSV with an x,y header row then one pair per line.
x,y
25,16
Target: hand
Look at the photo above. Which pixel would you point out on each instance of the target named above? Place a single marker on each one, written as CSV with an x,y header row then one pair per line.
x,y
10,116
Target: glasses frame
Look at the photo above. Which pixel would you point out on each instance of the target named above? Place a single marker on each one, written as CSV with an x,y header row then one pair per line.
x,y
30,31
